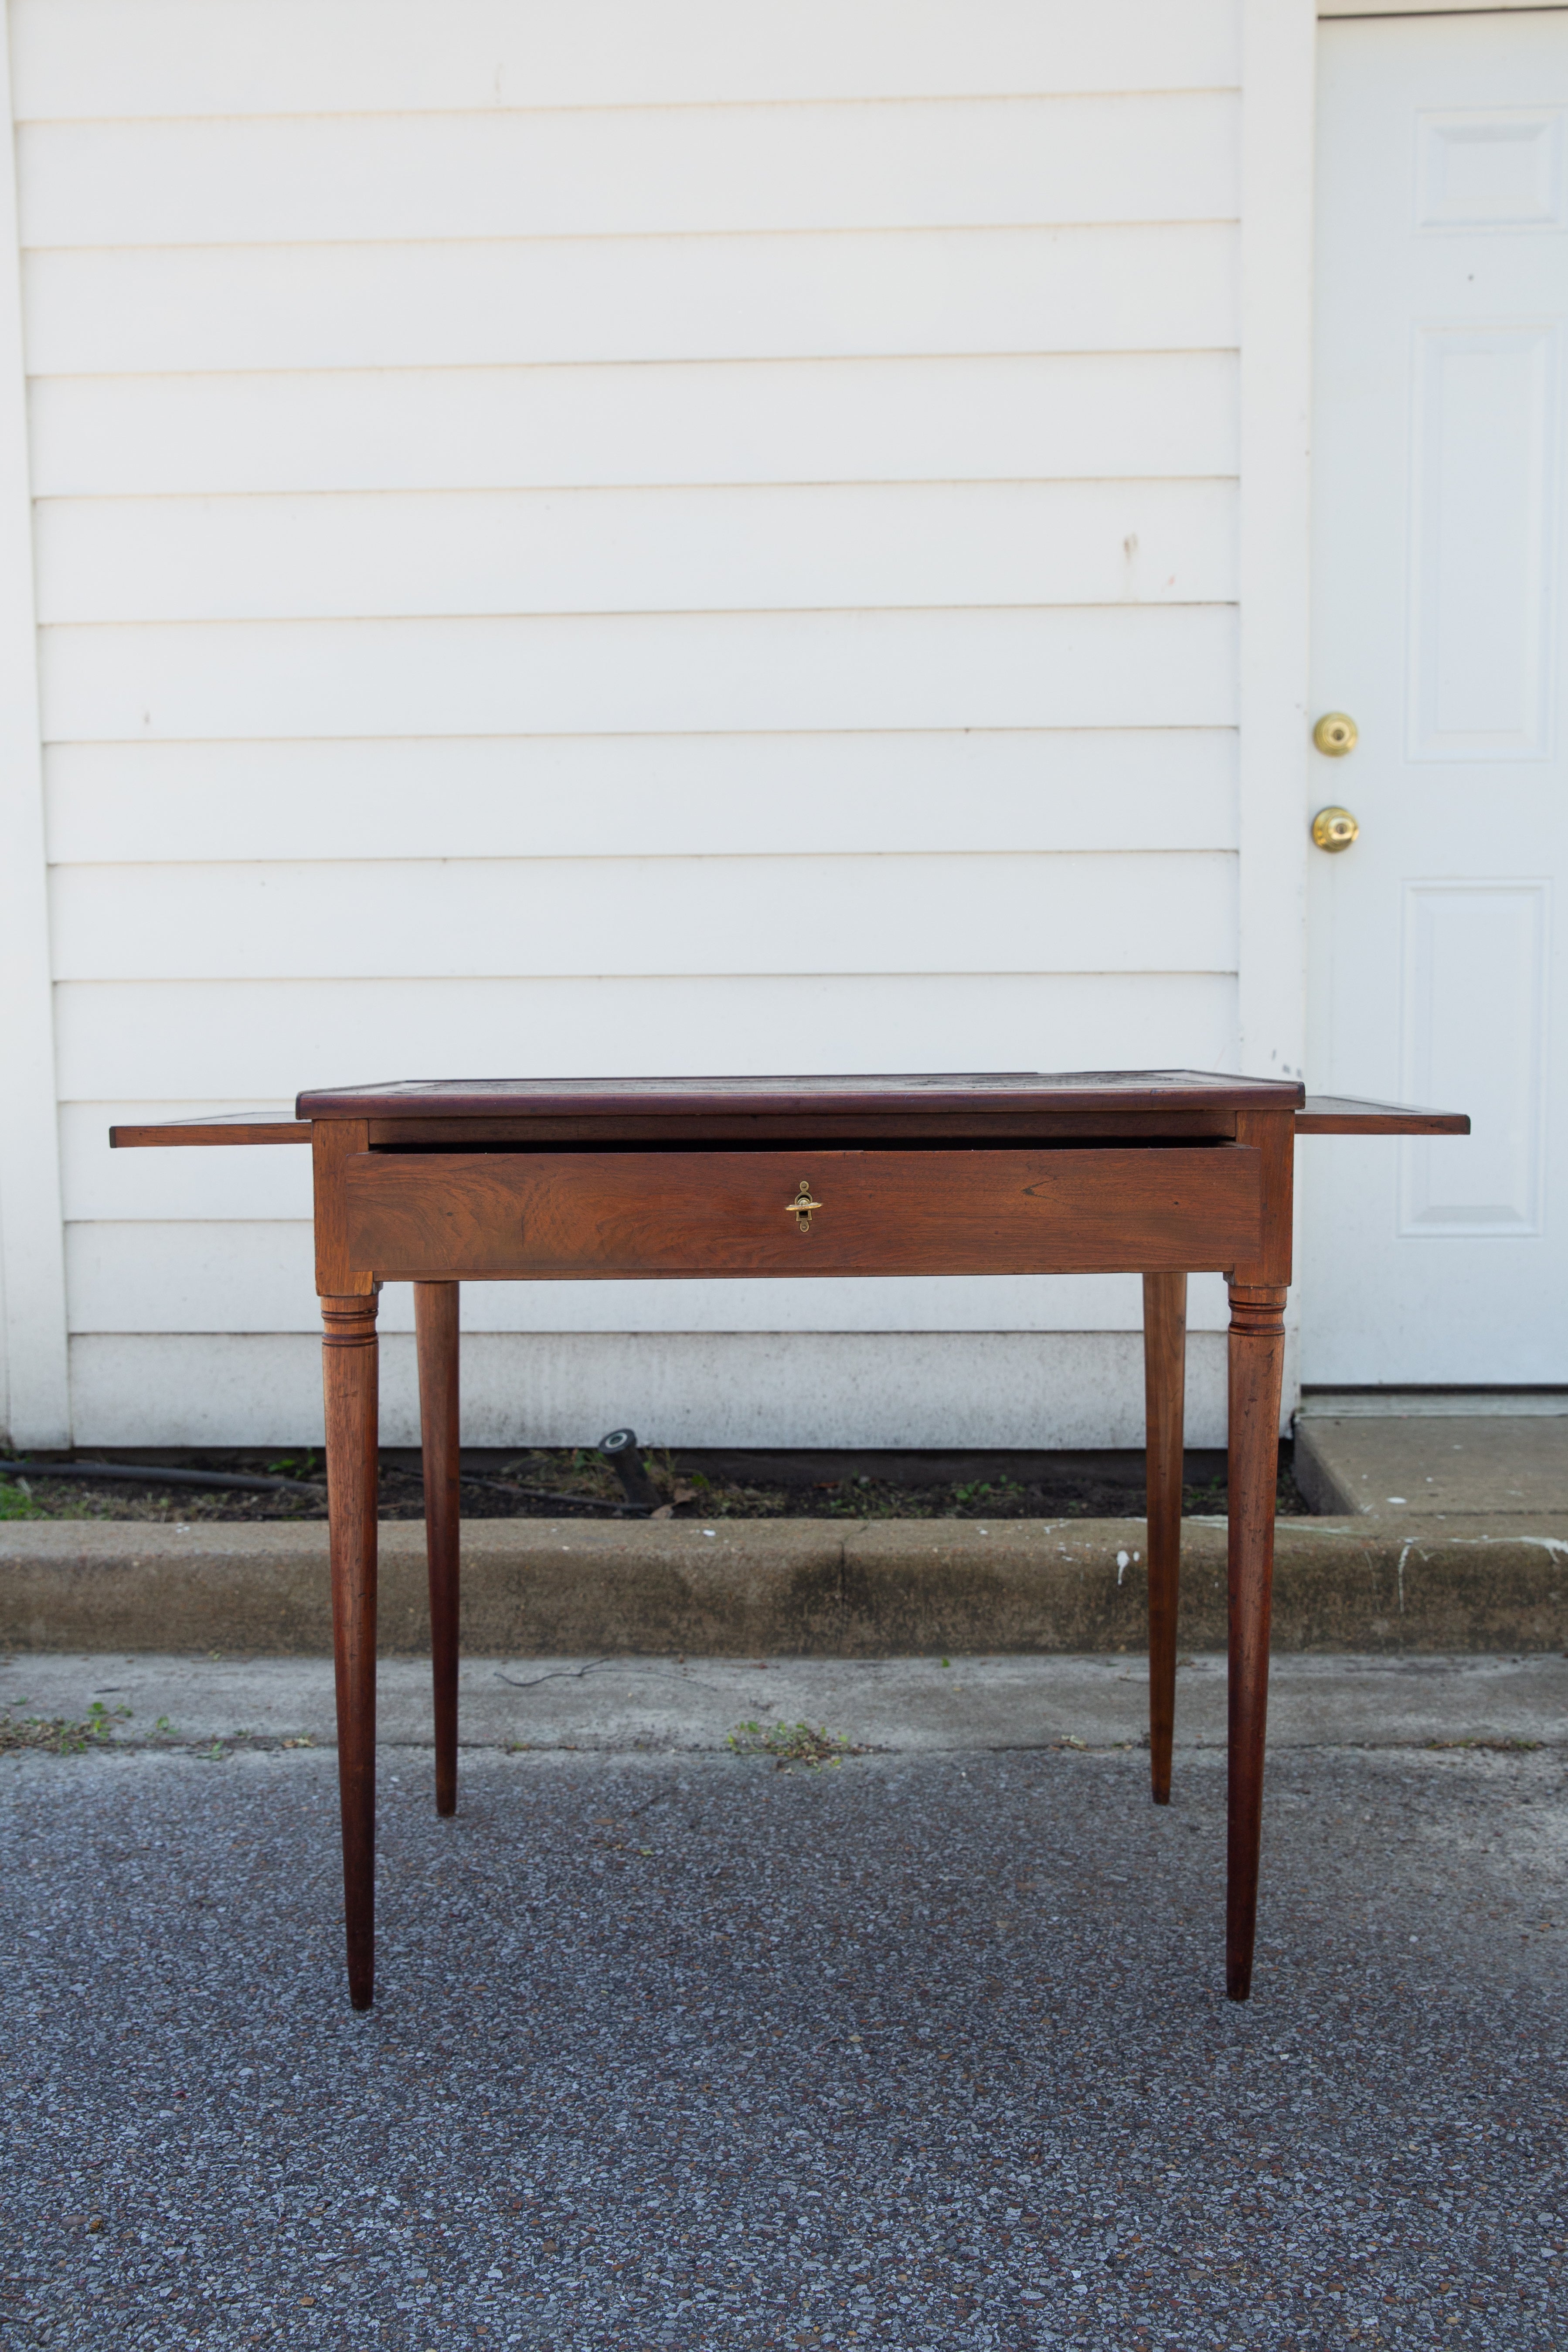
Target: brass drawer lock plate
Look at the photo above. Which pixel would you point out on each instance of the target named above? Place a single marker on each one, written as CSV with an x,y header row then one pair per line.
x,y
801,1207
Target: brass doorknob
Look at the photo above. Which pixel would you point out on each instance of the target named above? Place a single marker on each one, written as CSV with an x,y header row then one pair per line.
x,y
1335,734
1334,829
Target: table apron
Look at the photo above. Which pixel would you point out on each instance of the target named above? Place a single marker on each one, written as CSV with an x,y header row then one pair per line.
x,y
614,1215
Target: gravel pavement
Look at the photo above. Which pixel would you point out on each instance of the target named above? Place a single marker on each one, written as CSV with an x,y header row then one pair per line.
x,y
925,2050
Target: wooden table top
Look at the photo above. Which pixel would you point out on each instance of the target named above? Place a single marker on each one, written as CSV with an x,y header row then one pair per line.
x,y
987,1104
983,1092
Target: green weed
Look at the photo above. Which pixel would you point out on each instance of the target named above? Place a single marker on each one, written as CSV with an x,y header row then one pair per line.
x,y
59,1733
16,1501
295,1466
1497,1747
807,1744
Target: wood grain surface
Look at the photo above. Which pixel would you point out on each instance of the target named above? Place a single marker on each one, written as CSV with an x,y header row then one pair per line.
x,y
1347,1115
228,1127
435,1327
547,1216
1273,1134
349,1368
965,1092
334,1143
1081,1112
1257,1359
1164,1398
1089,1122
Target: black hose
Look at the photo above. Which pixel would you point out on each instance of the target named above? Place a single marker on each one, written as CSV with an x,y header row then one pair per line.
x,y
140,1474
143,1473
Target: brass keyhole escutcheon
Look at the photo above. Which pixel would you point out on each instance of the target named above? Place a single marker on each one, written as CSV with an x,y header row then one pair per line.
x,y
1334,829
1335,734
801,1207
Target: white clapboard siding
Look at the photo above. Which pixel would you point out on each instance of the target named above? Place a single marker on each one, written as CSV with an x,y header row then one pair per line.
x,y
1063,415
269,1181
192,1042
148,1276
368,554
631,172
629,795
190,1276
942,1389
575,536
1160,286
458,919
1060,666
77,59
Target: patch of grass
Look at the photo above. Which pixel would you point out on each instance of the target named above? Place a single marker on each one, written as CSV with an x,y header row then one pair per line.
x,y
17,1501
298,1466
58,1733
811,1745
60,1498
1497,1747
1003,1489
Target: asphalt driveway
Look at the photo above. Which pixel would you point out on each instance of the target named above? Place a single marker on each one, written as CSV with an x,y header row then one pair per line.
x,y
924,2050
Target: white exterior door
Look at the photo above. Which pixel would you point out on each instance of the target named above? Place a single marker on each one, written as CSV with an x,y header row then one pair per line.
x,y
1437,958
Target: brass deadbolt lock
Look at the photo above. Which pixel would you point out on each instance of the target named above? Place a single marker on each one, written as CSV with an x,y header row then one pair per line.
x,y
1335,734
1334,829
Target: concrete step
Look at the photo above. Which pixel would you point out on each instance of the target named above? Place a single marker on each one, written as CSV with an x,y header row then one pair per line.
x,y
1423,1463
798,1588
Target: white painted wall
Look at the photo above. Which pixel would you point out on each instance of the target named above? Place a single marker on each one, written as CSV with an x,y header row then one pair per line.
x,y
638,535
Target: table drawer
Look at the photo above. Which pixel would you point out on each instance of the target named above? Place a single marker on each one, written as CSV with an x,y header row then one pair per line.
x,y
576,1215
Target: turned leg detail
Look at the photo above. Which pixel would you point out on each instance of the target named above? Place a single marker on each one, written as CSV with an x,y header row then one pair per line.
x,y
1164,1393
349,1377
1256,1365
436,1324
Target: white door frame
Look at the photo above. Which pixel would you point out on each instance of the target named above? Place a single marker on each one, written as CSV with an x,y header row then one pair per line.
x,y
1278,72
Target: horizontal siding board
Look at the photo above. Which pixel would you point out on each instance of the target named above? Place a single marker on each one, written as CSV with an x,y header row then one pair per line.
x,y
719,470
639,172
457,918
381,555
259,1040
259,1276
1132,414
630,795
1151,288
836,1388
1125,666
126,58
270,1183
191,1276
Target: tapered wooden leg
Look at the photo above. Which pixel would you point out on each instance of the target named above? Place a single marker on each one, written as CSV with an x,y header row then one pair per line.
x,y
349,1372
435,1323
1256,1366
1164,1396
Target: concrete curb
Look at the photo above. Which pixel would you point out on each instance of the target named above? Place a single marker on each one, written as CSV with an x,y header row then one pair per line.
x,y
784,1588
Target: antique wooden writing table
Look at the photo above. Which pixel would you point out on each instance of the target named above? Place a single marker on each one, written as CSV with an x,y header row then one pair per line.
x,y
1161,1173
